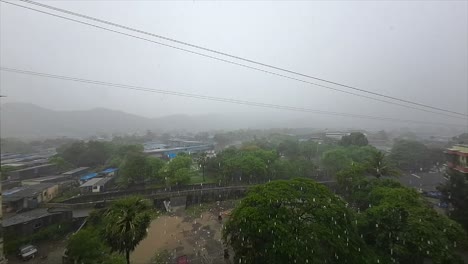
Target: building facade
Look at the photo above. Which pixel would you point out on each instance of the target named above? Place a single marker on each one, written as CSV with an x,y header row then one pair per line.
x,y
457,158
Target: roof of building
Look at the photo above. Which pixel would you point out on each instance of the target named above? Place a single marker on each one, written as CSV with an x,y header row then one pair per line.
x,y
75,170
459,148
26,216
91,182
47,178
18,193
109,170
35,167
89,176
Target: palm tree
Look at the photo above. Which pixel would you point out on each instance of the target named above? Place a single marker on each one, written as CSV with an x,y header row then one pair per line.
x,y
126,223
380,166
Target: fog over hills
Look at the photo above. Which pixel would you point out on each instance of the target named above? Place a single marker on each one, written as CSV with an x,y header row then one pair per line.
x,y
28,121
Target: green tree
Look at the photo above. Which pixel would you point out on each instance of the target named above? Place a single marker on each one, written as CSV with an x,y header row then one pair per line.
x,y
455,192
410,155
6,170
134,168
60,162
295,221
355,138
289,169
202,159
336,160
86,247
178,170
379,165
181,176
91,154
153,169
289,148
400,225
126,222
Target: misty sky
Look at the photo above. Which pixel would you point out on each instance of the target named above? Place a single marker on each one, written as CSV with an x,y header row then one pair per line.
x,y
413,50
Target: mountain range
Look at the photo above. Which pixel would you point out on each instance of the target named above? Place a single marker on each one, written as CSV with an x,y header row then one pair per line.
x,y
23,120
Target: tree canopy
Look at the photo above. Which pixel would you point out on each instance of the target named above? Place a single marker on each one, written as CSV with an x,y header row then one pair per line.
x,y
355,138
295,221
410,155
455,192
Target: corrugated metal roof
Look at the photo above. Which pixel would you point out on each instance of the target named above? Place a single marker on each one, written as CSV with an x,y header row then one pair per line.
x,y
91,182
109,170
89,176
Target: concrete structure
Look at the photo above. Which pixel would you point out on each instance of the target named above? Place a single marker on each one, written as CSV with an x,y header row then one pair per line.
x,y
457,158
33,172
27,223
336,135
28,197
76,172
96,185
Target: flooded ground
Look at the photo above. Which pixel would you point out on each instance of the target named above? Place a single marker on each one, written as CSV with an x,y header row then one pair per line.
x,y
48,252
195,233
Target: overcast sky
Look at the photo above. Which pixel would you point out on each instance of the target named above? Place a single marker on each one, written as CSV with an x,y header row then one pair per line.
x,y
413,50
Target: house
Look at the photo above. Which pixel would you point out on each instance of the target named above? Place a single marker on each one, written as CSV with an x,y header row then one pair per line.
x,y
110,172
77,172
336,135
28,197
33,172
457,158
88,177
96,185
27,223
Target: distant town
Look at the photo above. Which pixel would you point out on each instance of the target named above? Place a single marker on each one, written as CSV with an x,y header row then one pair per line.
x,y
55,189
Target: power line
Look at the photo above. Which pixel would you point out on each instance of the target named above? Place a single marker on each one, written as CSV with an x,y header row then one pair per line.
x,y
218,99
231,62
238,58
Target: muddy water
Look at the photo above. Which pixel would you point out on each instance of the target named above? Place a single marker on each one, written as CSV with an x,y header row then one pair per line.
x,y
181,235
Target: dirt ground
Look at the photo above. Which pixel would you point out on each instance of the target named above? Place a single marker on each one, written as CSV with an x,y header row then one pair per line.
x,y
197,236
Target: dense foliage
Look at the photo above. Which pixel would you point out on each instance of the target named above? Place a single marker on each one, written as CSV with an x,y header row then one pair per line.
x,y
117,229
413,155
295,221
355,138
456,193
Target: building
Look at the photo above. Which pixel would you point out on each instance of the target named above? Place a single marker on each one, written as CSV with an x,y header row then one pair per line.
x,y
88,177
46,179
76,172
96,185
27,223
33,172
28,197
172,152
336,135
457,158
110,172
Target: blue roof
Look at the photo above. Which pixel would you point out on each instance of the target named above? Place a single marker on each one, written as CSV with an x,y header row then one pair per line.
x,y
109,170
88,176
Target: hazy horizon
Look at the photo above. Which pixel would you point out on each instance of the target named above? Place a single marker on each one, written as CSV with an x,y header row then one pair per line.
x,y
411,50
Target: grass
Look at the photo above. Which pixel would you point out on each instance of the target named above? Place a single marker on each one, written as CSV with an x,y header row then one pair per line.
x,y
199,179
